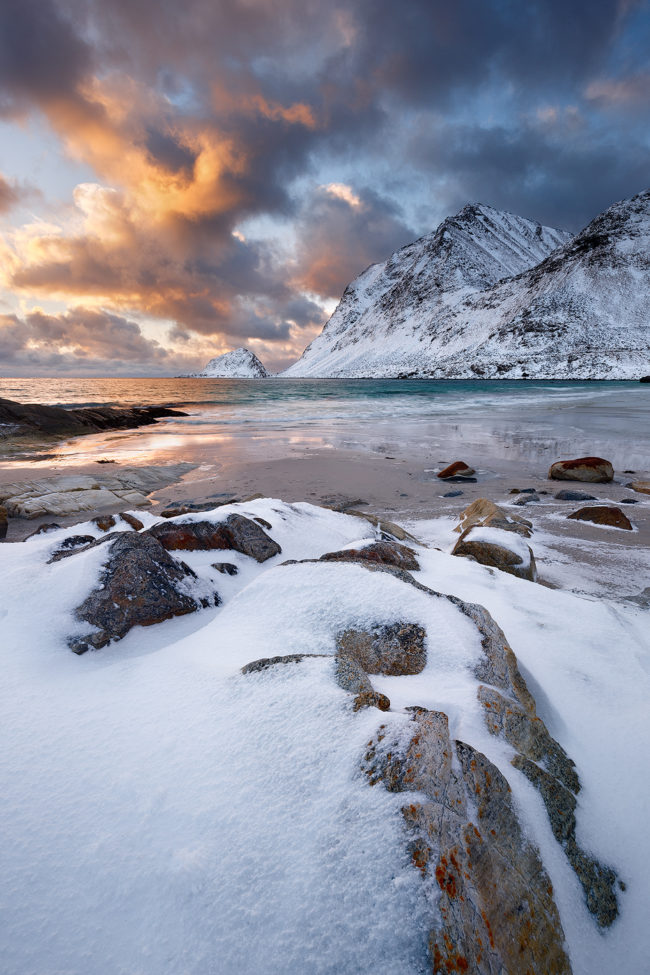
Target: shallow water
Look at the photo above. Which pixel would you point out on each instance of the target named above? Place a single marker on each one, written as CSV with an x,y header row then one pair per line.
x,y
244,420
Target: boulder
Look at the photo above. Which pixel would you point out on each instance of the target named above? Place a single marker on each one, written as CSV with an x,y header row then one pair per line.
x,y
643,487
3,521
236,533
395,649
458,469
492,910
574,496
592,469
489,515
498,549
139,585
603,514
388,553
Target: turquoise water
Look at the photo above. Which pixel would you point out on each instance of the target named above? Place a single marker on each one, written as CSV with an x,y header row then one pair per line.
x,y
264,417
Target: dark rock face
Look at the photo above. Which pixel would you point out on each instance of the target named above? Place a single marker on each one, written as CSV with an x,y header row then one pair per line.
x,y
495,913
3,521
388,553
593,469
236,533
602,514
396,649
32,418
574,496
598,881
496,556
459,467
71,545
255,666
140,585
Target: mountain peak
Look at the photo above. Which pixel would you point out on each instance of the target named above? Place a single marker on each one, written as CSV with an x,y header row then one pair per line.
x,y
238,364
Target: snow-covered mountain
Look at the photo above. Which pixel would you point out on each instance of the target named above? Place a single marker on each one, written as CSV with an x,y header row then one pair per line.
x,y
238,364
491,295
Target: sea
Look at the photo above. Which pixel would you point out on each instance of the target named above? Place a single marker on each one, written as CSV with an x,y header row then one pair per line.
x,y
252,419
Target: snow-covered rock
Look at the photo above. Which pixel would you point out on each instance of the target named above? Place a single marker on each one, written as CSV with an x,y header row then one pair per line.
x,y
491,295
238,364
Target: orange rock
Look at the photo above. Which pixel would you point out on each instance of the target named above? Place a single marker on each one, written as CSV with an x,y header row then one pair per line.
x,y
459,467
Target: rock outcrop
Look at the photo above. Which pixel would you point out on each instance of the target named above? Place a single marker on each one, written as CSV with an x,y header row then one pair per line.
x,y
139,585
237,533
591,469
34,419
603,514
494,913
396,649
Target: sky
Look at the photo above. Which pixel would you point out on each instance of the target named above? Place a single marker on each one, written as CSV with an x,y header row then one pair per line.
x,y
180,179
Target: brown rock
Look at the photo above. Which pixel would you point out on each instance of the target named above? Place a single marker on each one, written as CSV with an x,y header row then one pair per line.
x,y
459,467
602,514
497,556
388,553
140,585
489,515
135,523
643,487
492,906
104,522
236,533
592,469
396,649
3,521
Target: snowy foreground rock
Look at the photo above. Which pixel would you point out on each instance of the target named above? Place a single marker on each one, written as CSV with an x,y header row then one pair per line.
x,y
347,753
238,364
491,295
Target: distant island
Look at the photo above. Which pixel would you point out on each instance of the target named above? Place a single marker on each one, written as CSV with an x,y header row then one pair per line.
x,y
238,364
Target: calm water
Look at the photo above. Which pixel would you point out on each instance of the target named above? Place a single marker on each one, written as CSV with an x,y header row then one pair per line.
x,y
266,418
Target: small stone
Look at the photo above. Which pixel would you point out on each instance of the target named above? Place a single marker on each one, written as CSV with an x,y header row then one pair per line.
x,y
104,522
49,526
520,502
593,469
226,568
574,496
630,501
460,479
453,494
134,522
371,699
265,662
459,467
607,515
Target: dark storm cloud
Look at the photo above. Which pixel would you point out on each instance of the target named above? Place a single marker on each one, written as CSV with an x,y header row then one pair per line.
x,y
41,55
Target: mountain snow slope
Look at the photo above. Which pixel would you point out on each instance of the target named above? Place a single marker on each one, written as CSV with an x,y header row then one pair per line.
x,y
238,364
491,295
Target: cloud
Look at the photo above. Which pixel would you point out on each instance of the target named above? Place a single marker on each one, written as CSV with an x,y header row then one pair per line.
x,y
340,231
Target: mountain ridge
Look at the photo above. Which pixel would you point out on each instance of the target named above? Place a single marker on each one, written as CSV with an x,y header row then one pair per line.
x,y
565,306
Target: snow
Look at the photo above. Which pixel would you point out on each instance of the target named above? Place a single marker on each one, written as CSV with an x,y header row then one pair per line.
x,y
238,364
491,295
163,813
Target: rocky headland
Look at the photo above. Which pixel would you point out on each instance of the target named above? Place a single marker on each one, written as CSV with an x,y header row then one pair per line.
x,y
38,421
